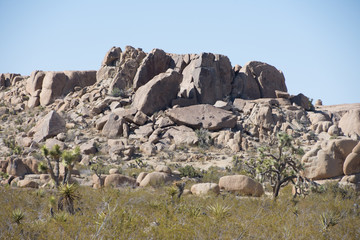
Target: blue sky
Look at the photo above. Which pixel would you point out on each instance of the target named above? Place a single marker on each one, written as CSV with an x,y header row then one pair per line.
x,y
315,43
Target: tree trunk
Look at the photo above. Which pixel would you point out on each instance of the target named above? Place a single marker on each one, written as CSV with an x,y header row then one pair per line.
x,y
57,166
65,175
51,171
68,174
276,190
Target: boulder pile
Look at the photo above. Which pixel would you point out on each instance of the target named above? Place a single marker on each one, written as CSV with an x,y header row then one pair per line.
x,y
157,105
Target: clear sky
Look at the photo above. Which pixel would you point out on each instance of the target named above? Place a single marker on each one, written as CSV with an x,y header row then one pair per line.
x,y
315,43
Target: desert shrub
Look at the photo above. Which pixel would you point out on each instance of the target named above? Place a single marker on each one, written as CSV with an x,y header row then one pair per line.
x,y
11,144
117,92
189,171
204,139
213,174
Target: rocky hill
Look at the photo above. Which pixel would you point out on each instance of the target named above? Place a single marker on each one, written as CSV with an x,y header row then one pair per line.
x,y
158,107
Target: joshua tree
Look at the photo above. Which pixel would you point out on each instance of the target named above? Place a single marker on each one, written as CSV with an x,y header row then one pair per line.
x,y
279,162
55,155
98,169
69,158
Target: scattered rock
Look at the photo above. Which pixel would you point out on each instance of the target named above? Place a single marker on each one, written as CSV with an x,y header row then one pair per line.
x,y
241,184
118,180
148,149
163,168
156,179
318,102
205,188
89,147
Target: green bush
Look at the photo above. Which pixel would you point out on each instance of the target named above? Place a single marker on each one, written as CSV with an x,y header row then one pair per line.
x,y
189,171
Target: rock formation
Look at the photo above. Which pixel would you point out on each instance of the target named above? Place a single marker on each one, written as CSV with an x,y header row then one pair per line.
x,y
141,108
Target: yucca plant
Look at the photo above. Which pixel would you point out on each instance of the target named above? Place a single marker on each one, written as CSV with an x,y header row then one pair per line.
x,y
68,194
219,211
17,215
194,211
329,219
61,217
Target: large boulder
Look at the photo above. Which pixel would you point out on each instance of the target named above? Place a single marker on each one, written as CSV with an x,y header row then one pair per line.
x,y
111,56
156,179
16,167
113,127
258,80
352,161
140,177
203,116
326,160
34,83
32,164
350,122
119,180
207,78
156,62
89,147
262,116
98,182
157,93
241,184
49,126
205,188
58,84
28,183
302,101
182,135
52,87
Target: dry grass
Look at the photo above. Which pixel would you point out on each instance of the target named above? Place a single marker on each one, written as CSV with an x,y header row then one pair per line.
x,y
152,214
